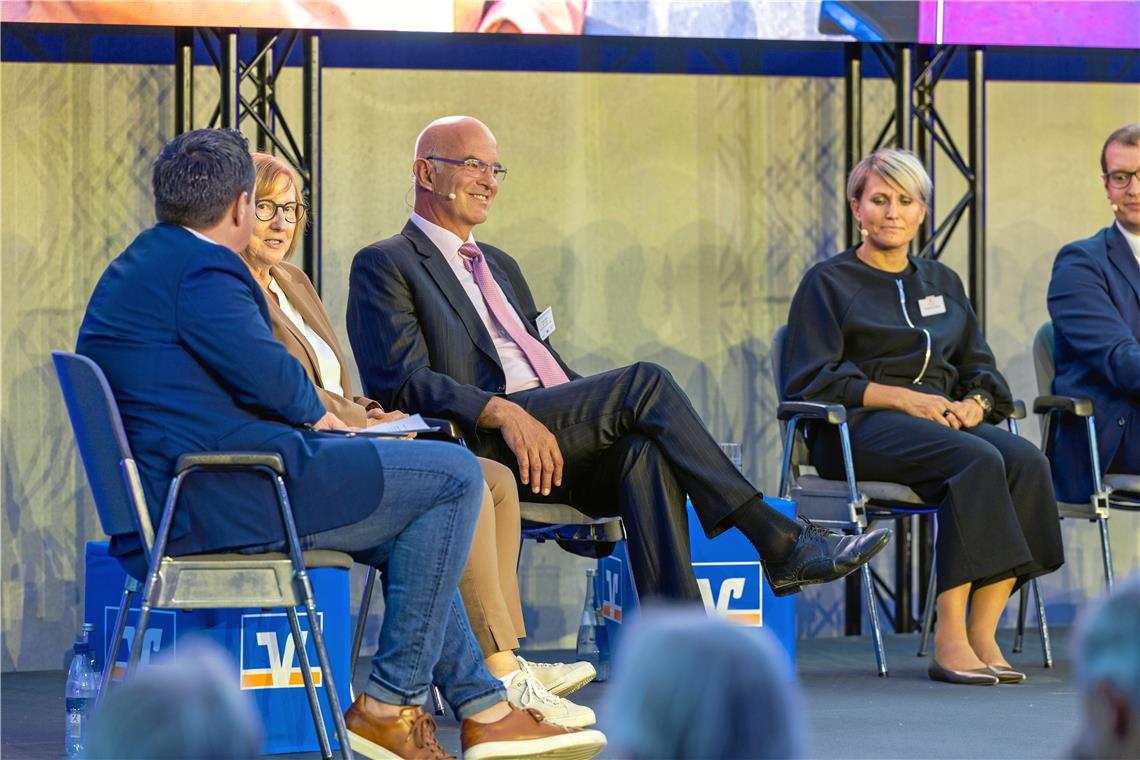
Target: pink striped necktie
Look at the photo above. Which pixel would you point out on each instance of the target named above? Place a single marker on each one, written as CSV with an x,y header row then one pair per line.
x,y
545,366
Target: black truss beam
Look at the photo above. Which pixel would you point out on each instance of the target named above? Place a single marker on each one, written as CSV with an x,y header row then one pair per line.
x,y
259,75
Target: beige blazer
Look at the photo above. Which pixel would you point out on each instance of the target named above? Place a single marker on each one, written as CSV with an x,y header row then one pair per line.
x,y
300,292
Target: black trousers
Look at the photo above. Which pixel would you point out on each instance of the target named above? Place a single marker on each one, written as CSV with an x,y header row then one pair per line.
x,y
997,515
634,446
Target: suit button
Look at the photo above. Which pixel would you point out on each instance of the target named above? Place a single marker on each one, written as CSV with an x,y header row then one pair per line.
x,y
1120,422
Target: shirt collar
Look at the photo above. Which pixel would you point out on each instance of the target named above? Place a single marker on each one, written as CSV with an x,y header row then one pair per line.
x,y
200,236
1132,238
445,240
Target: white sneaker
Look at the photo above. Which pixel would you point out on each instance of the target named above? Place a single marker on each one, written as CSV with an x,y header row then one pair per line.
x,y
525,691
560,678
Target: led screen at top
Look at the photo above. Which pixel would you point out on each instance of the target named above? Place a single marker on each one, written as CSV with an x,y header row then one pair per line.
x,y
1055,23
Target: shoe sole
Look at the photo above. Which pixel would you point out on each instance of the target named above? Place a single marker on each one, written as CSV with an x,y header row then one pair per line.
x,y
580,745
581,721
569,686
788,590
371,750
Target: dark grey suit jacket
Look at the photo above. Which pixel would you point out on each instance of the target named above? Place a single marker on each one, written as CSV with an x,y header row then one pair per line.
x,y
418,341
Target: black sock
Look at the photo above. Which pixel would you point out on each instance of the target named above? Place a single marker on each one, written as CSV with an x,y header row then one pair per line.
x,y
771,533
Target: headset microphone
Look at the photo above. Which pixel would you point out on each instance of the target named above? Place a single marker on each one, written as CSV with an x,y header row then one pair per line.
x,y
451,196
1115,207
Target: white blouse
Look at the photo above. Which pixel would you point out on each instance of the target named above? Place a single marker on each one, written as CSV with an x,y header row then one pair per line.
x,y
326,358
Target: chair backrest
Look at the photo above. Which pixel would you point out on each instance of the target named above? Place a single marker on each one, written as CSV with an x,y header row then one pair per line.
x,y
103,446
800,455
1043,364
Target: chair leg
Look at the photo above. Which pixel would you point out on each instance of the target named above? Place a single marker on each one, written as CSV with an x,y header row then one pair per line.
x,y
928,613
358,634
1022,604
436,700
112,642
1106,552
876,632
140,632
326,668
307,677
1042,625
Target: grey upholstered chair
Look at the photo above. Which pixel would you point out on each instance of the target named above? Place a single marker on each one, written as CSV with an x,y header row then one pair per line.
x,y
199,581
1109,491
852,504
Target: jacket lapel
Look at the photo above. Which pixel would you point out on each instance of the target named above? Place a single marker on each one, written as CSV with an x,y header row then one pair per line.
x,y
316,318
1120,254
456,296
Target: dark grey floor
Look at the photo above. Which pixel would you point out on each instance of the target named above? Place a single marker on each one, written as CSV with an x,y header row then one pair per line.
x,y
852,713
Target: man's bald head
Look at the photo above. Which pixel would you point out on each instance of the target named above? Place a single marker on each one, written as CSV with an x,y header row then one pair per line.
x,y
442,136
451,193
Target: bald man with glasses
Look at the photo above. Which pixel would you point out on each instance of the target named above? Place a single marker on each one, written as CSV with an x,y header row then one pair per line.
x,y
440,323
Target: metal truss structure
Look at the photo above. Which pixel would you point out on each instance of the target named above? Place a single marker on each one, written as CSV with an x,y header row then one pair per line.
x,y
258,75
915,124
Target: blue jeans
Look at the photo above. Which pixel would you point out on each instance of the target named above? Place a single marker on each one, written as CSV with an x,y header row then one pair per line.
x,y
420,533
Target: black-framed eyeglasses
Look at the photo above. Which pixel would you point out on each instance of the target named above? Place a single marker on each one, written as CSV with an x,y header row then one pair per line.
x,y
1120,180
475,166
267,210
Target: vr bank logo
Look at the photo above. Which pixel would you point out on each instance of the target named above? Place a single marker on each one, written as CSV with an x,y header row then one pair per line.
x,y
732,590
611,578
269,654
161,630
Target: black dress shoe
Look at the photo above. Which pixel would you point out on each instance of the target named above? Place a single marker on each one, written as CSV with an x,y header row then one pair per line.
x,y
823,555
974,677
1006,674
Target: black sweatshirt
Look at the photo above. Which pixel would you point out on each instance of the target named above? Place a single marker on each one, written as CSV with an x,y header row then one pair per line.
x,y
851,324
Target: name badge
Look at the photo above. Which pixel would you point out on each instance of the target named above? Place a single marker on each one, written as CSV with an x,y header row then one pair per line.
x,y
931,306
545,323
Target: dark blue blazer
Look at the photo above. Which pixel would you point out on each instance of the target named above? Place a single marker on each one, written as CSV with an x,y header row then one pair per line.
x,y
181,330
418,341
1094,302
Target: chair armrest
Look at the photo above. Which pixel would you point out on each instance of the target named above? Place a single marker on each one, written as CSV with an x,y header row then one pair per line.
x,y
1018,412
1081,407
834,414
229,460
449,430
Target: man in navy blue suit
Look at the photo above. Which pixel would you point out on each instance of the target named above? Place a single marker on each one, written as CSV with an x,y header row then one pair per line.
x,y
441,323
1094,301
182,332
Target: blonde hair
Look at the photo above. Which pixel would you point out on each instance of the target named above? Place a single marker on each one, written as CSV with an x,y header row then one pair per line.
x,y
269,171
900,168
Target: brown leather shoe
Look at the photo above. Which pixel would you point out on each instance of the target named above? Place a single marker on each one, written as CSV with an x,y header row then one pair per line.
x,y
524,733
411,735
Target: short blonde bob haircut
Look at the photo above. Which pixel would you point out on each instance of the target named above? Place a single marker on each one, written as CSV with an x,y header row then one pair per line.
x,y
269,172
900,168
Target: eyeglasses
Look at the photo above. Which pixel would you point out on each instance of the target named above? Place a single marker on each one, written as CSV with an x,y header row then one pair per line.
x,y
267,210
475,166
1120,180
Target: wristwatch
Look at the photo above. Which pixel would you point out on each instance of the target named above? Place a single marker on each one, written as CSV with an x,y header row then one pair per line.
x,y
983,401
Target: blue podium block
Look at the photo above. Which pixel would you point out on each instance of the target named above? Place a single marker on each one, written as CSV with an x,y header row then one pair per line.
x,y
259,642
728,574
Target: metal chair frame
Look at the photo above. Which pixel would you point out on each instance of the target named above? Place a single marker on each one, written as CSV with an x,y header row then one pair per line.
x,y
203,581
869,501
1110,491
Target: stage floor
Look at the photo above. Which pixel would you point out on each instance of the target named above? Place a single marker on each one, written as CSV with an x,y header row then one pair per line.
x,y
852,712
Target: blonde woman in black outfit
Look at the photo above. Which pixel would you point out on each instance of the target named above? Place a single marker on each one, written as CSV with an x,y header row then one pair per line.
x,y
893,337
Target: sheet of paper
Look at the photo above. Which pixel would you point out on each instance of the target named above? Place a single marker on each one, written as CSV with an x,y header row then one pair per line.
x,y
411,424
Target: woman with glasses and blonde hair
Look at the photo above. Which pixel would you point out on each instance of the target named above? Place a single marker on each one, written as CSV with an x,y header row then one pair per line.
x,y
489,586
893,337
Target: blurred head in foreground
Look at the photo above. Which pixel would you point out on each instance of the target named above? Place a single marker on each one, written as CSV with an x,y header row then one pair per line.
x,y
189,708
1107,656
688,685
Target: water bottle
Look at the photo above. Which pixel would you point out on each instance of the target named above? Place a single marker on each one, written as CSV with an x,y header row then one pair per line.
x,y
82,686
593,643
88,630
